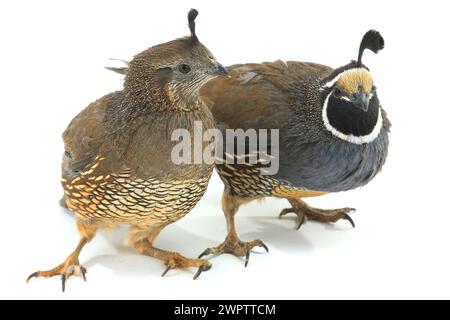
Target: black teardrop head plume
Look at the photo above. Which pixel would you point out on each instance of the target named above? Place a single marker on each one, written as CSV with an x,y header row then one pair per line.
x,y
191,19
373,41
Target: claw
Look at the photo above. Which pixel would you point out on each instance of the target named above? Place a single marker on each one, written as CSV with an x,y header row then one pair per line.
x,y
285,212
33,275
263,245
302,221
205,253
63,282
83,273
259,244
289,210
349,219
247,257
169,267
200,270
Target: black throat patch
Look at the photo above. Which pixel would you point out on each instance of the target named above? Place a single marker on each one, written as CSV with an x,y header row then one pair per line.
x,y
348,119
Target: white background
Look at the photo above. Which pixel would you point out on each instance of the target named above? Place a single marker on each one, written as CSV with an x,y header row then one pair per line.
x,y
52,55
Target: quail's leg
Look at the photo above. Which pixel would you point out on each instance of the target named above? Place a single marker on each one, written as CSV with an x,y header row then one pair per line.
x,y
143,242
304,212
232,243
71,265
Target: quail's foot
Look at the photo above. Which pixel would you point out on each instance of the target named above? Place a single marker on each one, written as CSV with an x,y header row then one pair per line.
x,y
69,267
235,246
175,260
305,212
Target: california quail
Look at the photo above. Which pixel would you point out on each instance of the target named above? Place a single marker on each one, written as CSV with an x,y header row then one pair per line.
x,y
117,166
333,134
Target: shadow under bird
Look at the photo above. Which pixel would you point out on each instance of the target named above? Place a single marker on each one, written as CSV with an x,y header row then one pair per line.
x,y
117,166
333,134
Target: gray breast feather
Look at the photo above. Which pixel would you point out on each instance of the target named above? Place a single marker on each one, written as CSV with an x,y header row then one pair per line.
x,y
334,165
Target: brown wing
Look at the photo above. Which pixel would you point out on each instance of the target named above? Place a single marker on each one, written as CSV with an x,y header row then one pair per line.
x,y
259,95
84,137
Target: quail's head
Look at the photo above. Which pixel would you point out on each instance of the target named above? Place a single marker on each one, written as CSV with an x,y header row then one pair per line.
x,y
173,71
351,109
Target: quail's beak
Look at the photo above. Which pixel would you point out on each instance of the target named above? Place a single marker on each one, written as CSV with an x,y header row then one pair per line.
x,y
220,70
361,100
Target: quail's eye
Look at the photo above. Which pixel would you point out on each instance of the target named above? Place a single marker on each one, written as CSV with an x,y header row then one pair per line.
x,y
337,92
184,68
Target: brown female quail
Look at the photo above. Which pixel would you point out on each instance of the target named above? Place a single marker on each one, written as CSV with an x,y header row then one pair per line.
x,y
117,166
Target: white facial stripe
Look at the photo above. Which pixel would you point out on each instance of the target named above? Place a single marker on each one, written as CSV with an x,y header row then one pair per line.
x,y
349,137
331,83
348,99
345,98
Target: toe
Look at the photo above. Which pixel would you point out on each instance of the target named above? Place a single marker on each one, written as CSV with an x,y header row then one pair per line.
x,y
345,216
263,245
201,269
301,221
247,257
249,246
33,275
285,212
83,272
63,282
207,252
169,267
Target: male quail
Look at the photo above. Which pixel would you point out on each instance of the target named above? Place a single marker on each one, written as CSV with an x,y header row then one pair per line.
x,y
117,166
333,134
